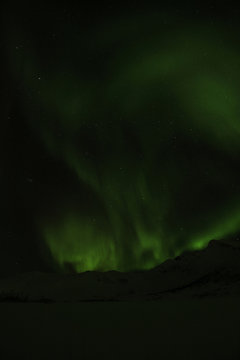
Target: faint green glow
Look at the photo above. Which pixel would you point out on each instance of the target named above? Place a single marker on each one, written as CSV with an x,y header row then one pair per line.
x,y
124,132
78,243
223,228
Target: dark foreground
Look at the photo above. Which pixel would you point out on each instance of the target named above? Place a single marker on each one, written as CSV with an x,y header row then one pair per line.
x,y
166,329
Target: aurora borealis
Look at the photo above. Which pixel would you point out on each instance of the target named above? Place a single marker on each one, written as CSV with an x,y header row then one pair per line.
x,y
143,111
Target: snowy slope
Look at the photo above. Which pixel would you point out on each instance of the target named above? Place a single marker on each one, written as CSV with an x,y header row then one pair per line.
x,y
213,271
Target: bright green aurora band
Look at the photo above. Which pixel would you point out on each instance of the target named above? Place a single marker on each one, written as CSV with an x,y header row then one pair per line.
x,y
146,114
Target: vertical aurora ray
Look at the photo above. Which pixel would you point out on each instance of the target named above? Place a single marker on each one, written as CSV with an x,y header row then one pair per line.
x,y
149,120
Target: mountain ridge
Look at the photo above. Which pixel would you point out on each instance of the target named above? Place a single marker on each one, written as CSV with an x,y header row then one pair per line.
x,y
212,271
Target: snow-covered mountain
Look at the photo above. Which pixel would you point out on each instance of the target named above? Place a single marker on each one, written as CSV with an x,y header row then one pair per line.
x,y
213,271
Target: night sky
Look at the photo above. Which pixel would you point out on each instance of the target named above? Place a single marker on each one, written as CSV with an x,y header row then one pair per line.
x,y
120,134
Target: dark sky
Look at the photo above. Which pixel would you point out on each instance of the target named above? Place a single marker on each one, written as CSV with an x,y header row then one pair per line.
x,y
120,133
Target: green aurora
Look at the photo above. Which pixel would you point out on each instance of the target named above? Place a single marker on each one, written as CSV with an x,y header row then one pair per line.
x,y
146,115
